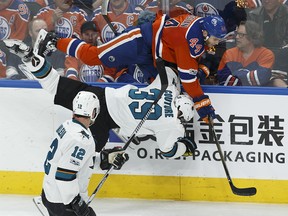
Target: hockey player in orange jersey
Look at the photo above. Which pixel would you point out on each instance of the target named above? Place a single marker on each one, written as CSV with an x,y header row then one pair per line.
x,y
179,41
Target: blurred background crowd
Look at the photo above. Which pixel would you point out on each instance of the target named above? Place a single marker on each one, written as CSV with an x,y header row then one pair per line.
x,y
256,42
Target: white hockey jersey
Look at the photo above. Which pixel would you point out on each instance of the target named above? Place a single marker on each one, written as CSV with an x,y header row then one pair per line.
x,y
69,163
128,105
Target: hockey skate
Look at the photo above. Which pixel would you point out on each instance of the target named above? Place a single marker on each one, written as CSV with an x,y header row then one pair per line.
x,y
45,43
19,48
190,145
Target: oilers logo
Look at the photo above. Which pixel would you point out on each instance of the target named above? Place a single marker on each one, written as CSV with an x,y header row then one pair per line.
x,y
205,9
107,34
91,73
5,29
64,28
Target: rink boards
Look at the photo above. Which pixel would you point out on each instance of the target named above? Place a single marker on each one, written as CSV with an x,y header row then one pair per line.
x,y
251,125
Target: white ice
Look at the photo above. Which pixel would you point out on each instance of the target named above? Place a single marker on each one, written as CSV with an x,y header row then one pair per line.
x,y
16,205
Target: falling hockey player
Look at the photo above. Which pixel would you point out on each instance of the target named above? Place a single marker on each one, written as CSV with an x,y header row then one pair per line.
x,y
121,108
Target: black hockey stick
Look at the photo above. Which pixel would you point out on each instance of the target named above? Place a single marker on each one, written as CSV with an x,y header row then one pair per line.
x,y
164,84
238,191
104,12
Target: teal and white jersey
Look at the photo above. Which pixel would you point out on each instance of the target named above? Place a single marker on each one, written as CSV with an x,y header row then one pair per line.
x,y
128,105
69,163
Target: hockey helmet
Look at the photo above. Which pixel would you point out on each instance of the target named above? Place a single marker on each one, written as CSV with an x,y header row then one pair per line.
x,y
215,26
185,105
85,103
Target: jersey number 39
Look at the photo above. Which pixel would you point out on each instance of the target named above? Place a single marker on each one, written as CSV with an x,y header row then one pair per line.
x,y
146,99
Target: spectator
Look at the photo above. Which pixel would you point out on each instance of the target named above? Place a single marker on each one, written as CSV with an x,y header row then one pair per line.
x,y
249,63
122,15
64,18
75,68
35,25
272,17
14,18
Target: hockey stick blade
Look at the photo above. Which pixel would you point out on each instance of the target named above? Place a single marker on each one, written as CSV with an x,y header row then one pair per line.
x,y
251,191
237,191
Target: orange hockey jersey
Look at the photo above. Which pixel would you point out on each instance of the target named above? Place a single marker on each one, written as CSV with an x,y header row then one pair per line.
x,y
68,25
14,21
120,22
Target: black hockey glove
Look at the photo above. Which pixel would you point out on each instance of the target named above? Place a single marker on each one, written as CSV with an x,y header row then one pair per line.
x,y
80,208
113,157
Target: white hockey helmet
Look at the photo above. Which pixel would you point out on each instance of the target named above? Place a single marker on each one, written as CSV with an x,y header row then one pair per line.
x,y
85,103
186,106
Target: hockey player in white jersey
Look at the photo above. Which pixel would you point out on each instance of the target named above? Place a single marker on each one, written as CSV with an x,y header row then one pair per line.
x,y
70,161
123,107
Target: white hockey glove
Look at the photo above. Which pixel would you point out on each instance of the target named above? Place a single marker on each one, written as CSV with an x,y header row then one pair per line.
x,y
113,157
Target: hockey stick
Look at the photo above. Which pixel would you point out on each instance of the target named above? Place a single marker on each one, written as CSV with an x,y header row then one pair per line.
x,y
104,12
238,191
164,84
39,204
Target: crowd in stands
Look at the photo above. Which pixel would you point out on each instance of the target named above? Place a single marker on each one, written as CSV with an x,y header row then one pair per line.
x,y
254,53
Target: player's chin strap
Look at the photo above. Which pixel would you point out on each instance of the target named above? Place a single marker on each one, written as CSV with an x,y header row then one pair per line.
x,y
164,84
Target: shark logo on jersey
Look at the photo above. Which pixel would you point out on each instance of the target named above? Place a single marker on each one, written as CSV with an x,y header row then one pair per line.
x,y
64,28
5,29
91,73
84,134
205,9
35,61
107,34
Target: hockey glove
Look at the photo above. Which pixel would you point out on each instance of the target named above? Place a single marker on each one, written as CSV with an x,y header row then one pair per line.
x,y
190,145
113,157
81,208
204,108
203,73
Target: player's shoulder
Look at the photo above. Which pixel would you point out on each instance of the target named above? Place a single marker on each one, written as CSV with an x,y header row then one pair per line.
x,y
76,10
46,9
75,130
